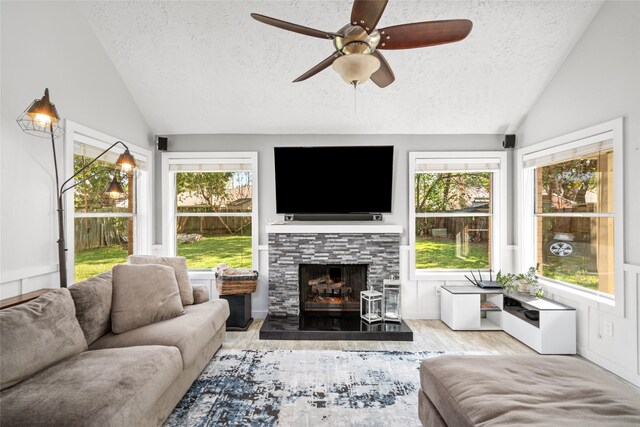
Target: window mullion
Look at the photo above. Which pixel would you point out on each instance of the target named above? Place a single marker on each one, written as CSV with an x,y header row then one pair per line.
x,y
214,214
104,215
451,214
576,214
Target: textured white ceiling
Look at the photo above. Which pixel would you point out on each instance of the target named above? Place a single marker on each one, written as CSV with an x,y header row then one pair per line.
x,y
207,67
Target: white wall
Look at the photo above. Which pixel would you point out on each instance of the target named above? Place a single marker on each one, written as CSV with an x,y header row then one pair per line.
x,y
49,44
600,81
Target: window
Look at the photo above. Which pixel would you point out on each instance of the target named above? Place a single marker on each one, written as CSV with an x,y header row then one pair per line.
x,y
570,229
105,230
213,210
454,210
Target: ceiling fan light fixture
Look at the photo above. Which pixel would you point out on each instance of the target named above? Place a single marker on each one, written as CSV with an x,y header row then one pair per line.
x,y
356,68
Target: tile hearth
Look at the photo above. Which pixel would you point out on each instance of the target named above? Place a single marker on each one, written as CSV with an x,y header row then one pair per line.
x,y
312,326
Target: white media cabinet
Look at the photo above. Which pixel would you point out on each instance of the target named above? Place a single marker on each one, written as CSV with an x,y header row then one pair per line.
x,y
553,333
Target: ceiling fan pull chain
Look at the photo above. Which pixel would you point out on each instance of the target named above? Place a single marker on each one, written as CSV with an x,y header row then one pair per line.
x,y
355,97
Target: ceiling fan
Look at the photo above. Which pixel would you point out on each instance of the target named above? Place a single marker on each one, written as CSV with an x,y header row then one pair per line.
x,y
357,45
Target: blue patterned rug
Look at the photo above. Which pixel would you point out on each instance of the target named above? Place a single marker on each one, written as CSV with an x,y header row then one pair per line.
x,y
305,388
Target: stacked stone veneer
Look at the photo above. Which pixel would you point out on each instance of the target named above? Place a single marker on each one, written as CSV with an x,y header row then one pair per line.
x,y
381,252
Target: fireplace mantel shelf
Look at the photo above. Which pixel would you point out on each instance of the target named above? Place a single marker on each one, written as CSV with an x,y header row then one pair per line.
x,y
334,228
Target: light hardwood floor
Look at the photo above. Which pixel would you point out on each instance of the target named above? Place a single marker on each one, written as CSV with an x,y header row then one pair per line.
x,y
428,335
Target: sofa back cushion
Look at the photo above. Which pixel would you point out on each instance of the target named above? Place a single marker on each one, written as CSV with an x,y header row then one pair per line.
x,y
92,298
38,334
178,263
143,294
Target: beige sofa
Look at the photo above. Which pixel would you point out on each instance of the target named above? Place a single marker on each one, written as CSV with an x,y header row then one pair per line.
x,y
522,390
61,364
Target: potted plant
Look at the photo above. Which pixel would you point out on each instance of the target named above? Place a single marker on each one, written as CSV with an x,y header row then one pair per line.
x,y
528,281
507,281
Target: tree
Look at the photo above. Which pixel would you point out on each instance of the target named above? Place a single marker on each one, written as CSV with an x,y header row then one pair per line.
x,y
569,182
210,187
439,192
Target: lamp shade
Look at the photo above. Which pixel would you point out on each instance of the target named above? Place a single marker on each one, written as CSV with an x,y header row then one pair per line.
x,y
126,162
41,118
356,68
114,190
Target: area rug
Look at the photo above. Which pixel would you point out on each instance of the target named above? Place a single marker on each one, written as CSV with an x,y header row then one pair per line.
x,y
305,388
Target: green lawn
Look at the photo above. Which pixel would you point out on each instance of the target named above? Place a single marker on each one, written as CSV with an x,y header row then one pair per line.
x,y
95,261
208,252
571,269
441,254
212,250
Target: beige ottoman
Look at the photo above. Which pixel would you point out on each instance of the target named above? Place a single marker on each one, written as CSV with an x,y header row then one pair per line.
x,y
523,390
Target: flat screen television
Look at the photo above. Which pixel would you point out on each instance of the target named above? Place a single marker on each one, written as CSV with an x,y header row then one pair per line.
x,y
334,180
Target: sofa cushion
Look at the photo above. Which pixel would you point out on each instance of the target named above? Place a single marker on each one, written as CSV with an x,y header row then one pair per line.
x,y
178,263
143,294
37,334
113,387
526,390
92,298
200,294
190,333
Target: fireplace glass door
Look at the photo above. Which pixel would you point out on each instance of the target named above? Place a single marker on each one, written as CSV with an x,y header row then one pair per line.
x,y
331,287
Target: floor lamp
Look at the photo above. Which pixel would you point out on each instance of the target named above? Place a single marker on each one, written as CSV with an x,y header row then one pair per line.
x,y
41,119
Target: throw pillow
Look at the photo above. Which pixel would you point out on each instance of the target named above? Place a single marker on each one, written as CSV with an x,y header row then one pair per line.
x,y
38,334
92,298
178,263
143,294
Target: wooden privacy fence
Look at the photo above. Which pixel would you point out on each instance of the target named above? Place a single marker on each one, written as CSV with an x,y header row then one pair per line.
x,y
449,227
91,233
212,225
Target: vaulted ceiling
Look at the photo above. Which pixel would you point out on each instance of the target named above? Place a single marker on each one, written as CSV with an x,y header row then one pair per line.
x,y
207,67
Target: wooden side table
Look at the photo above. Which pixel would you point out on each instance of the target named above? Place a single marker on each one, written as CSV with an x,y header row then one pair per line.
x,y
21,299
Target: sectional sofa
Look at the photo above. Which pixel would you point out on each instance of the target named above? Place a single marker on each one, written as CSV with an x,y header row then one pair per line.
x,y
62,365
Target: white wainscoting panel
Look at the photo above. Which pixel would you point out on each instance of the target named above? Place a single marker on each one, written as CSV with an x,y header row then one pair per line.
x,y
619,352
18,282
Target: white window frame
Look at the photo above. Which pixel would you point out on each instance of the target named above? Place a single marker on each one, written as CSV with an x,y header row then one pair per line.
x,y
498,200
611,130
75,132
169,190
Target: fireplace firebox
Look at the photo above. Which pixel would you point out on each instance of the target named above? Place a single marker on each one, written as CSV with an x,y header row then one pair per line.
x,y
331,287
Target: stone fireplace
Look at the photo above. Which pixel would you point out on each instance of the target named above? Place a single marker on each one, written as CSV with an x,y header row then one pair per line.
x,y
338,257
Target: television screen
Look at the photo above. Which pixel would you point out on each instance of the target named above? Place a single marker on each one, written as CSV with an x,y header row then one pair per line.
x,y
333,180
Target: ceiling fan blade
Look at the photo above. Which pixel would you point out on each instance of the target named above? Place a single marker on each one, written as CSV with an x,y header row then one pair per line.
x,y
367,13
293,27
384,76
321,66
423,34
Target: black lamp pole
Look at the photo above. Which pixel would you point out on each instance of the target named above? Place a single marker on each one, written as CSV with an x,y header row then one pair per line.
x,y
62,257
